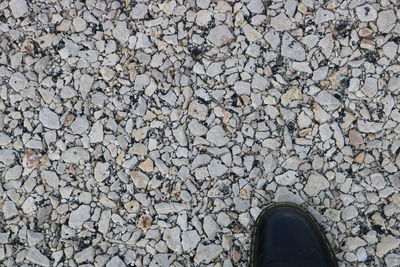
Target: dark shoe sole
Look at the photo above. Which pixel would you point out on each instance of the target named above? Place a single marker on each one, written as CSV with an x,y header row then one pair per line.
x,y
304,213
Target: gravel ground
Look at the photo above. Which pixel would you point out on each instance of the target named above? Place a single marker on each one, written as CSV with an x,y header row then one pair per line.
x,y
147,133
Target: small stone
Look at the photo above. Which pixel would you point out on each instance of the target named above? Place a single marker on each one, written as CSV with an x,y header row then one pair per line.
x,y
323,15
9,210
394,83
144,222
366,13
85,84
198,110
29,205
79,24
387,244
349,213
18,8
328,100
292,49
180,136
242,88
355,138
172,238
13,173
139,11
386,20
378,181
369,126
207,253
121,32
96,134
104,221
315,184
220,35
284,194
370,87
190,240
34,238
115,262
216,135
196,128
75,155
203,17
256,6
35,256
210,227
138,149
79,125
143,41
360,158
49,119
79,216
107,73
251,33
325,132
140,180
101,171
51,178
287,178
85,255
18,81
147,165
352,243
282,23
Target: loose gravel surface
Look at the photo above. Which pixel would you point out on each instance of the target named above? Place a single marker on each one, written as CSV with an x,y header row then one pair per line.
x,y
152,133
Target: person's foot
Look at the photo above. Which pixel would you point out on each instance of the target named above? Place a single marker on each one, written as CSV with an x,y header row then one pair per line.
x,y
286,235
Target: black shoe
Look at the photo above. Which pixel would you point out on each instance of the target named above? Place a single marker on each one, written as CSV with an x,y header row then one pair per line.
x,y
286,235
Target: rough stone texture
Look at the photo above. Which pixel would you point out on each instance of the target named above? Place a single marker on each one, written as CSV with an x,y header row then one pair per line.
x,y
153,133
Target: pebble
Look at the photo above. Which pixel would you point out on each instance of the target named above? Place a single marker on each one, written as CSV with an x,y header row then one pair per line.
x,y
172,238
79,216
315,184
349,213
386,20
216,168
18,81
139,11
220,35
51,178
121,32
207,253
217,136
49,119
256,6
29,205
291,48
190,240
9,210
75,155
287,178
36,257
387,244
101,171
79,125
282,23
210,227
79,24
140,180
85,255
327,100
366,13
115,262
19,8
